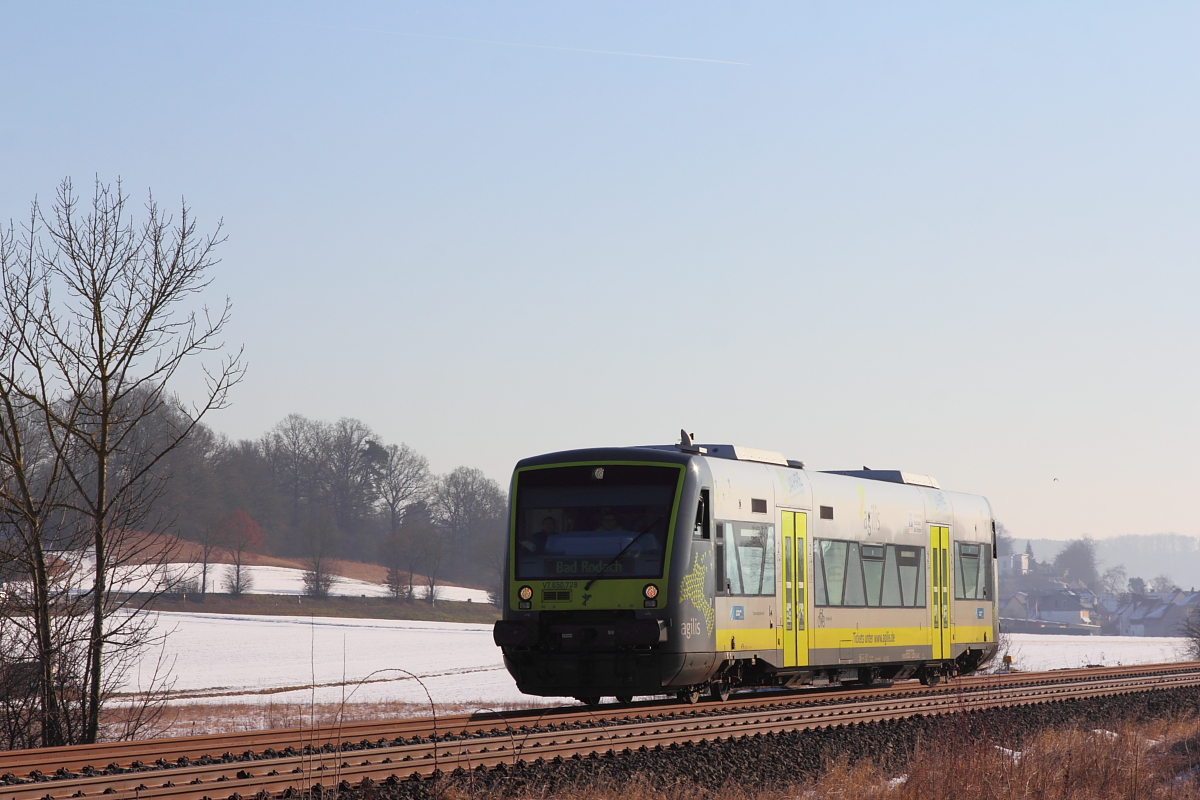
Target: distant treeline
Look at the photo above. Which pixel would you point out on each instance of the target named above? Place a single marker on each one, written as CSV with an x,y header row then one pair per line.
x,y
324,490
1172,555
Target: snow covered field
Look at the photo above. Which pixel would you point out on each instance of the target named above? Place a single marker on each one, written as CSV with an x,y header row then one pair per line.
x,y
279,580
261,659
1033,652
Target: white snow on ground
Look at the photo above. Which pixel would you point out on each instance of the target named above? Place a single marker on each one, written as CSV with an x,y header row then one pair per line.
x,y
1034,652
261,659
277,580
222,658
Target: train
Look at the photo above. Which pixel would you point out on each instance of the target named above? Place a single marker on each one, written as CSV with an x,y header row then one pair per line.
x,y
701,569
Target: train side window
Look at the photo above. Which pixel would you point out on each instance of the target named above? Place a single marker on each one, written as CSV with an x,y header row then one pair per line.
x,y
966,582
754,545
872,564
701,530
733,565
820,596
833,560
855,591
973,571
787,565
871,575
722,584
985,571
891,579
911,561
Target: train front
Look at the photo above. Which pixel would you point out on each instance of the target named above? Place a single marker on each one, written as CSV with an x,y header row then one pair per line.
x,y
598,540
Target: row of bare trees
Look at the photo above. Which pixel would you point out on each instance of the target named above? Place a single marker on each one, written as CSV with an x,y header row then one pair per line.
x,y
100,312
326,491
454,528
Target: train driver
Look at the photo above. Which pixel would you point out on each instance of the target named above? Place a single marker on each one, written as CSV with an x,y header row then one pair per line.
x,y
537,543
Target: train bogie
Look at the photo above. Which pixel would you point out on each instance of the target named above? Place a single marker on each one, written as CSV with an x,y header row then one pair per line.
x,y
688,569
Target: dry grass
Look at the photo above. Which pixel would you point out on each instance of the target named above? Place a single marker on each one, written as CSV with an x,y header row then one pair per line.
x,y
1158,760
1152,760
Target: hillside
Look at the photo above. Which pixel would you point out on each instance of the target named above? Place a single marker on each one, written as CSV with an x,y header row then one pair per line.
x,y
183,551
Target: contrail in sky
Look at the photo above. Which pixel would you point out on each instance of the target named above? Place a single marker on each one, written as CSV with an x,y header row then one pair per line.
x,y
494,42
574,49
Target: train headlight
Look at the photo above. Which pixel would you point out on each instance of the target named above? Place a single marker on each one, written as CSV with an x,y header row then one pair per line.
x,y
525,593
650,592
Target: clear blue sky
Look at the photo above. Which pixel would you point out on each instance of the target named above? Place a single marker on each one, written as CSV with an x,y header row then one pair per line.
x,y
956,239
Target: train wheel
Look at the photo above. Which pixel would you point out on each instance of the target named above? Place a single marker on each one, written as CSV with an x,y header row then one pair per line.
x,y
719,692
591,701
689,696
625,698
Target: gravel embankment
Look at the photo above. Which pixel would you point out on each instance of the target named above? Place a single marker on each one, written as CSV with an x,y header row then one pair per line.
x,y
785,759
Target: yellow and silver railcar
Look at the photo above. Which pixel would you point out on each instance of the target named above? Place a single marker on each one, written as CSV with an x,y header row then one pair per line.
x,y
688,568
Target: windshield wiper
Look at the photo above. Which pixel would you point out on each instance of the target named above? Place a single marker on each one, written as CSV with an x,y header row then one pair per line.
x,y
624,550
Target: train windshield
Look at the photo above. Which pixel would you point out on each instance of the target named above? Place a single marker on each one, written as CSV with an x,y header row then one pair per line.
x,y
606,521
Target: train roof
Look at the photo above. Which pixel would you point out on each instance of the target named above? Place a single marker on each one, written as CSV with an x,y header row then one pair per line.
x,y
667,454
682,453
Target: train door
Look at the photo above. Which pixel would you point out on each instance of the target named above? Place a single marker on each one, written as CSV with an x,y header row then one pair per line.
x,y
795,635
939,573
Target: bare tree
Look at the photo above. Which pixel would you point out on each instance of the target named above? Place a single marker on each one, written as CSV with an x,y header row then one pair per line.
x,y
211,539
328,469
394,554
1004,541
350,461
433,551
32,621
404,479
1162,583
238,581
1113,580
399,583
240,535
1189,629
1077,560
319,575
104,315
291,450
471,510
416,542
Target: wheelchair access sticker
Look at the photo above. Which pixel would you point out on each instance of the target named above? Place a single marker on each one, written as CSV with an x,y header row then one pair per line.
x,y
979,613
737,612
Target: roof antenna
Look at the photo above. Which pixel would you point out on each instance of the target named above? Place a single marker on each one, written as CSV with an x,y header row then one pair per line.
x,y
685,442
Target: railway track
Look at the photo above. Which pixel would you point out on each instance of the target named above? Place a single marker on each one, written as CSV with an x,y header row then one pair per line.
x,y
289,761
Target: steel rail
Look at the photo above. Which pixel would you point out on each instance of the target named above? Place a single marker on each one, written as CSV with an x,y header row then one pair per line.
x,y
299,772
172,749
124,754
